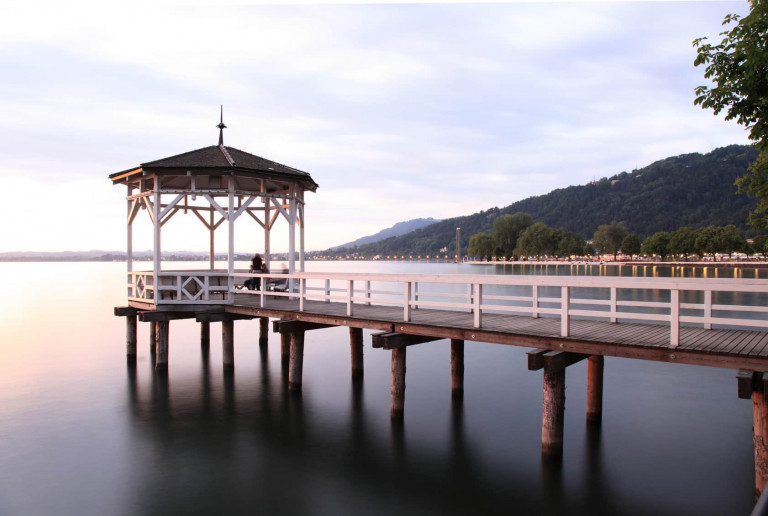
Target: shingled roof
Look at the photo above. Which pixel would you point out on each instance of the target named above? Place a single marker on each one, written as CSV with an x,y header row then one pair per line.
x,y
215,157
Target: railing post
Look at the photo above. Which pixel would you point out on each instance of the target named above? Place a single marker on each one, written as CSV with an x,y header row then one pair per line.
x,y
614,304
368,292
178,287
535,301
407,301
262,290
327,291
565,321
469,296
350,291
707,309
302,293
674,318
477,302
415,294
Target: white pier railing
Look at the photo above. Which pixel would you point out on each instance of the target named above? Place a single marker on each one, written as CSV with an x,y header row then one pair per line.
x,y
702,302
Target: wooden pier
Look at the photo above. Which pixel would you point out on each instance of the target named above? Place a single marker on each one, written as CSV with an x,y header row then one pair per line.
x,y
591,318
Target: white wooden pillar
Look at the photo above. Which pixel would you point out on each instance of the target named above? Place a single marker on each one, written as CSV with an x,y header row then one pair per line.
x,y
301,234
129,242
292,237
267,227
212,238
157,248
231,243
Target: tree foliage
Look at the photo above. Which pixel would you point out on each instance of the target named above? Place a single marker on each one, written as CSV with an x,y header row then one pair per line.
x,y
608,238
507,229
738,67
482,245
657,244
631,245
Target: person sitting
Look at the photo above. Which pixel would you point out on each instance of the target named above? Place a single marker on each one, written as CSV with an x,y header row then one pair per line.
x,y
256,267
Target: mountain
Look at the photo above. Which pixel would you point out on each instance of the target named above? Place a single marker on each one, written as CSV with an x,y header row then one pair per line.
x,y
398,229
687,190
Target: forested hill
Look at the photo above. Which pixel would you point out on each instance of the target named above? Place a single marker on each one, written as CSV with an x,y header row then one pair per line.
x,y
688,190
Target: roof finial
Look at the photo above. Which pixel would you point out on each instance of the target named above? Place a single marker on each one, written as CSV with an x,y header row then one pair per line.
x,y
221,127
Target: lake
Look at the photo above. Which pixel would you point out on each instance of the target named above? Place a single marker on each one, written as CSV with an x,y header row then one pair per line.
x,y
83,432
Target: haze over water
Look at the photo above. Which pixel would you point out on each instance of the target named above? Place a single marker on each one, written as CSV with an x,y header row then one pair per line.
x,y
83,433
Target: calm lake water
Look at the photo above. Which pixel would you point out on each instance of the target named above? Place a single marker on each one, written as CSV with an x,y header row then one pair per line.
x,y
83,433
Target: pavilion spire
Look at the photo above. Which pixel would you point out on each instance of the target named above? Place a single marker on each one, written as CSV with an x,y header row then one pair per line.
x,y
221,127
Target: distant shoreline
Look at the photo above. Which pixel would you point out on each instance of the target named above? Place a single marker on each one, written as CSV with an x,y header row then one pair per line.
x,y
731,265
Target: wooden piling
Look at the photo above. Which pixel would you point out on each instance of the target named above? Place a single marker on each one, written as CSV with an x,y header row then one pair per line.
x,y
153,337
285,349
457,368
760,437
263,331
397,405
130,336
356,348
161,360
296,365
205,333
595,365
553,413
228,344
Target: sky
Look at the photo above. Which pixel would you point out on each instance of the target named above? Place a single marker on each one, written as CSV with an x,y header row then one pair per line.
x,y
397,110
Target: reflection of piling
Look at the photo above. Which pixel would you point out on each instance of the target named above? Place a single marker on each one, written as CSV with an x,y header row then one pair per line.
x,y
285,349
205,333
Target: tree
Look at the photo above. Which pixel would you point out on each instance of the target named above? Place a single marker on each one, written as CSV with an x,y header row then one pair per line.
x,y
481,245
683,241
608,238
657,244
537,240
631,245
589,250
737,66
706,241
572,244
759,244
507,229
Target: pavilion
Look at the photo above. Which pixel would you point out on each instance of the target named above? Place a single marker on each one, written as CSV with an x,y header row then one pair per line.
x,y
216,184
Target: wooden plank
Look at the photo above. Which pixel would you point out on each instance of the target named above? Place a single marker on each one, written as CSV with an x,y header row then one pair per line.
x,y
220,317
552,360
536,359
165,316
125,311
289,326
393,340
745,382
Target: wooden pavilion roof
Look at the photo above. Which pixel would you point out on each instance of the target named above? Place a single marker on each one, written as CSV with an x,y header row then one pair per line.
x,y
216,160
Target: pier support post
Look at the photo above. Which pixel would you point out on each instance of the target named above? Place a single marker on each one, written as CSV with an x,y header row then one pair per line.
x,y
263,331
397,406
285,349
595,365
153,337
356,348
457,368
205,333
130,336
228,344
760,416
296,366
553,413
161,360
